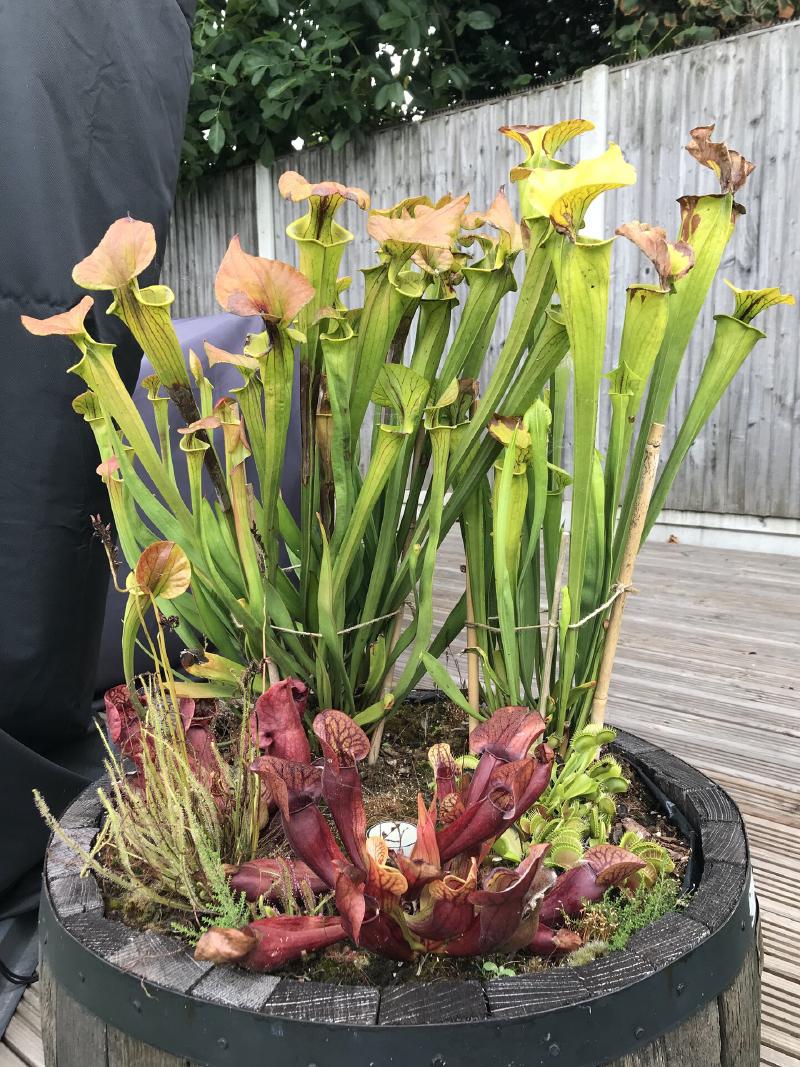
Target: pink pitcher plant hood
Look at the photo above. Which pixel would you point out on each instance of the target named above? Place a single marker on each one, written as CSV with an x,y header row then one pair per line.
x,y
64,324
435,227
126,249
318,228
671,261
249,285
499,216
293,186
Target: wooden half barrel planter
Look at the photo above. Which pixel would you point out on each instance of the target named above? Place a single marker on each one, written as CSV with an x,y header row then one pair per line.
x,y
684,993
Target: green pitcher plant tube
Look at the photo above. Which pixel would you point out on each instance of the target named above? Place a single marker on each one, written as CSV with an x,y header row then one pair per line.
x,y
342,594
734,340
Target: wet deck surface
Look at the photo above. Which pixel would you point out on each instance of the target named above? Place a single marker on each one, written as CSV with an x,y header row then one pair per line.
x,y
708,668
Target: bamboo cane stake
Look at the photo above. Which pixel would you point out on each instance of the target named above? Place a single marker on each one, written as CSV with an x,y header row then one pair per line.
x,y
552,627
473,663
473,667
375,745
638,519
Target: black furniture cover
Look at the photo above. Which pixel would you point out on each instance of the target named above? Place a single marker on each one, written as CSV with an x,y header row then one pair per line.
x,y
93,100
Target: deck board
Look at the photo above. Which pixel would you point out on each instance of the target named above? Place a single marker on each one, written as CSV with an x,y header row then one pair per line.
x,y
707,668
21,1045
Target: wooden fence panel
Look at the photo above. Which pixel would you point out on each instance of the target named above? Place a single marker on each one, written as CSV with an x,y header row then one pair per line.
x,y
203,223
747,461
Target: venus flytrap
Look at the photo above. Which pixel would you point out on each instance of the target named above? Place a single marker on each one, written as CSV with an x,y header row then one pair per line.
x,y
576,810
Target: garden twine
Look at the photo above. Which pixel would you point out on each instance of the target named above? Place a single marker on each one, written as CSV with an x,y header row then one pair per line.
x,y
619,589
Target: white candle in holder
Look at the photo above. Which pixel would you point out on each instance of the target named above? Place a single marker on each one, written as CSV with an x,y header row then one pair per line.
x,y
399,836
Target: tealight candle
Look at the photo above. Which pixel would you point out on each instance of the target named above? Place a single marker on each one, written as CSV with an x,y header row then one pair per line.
x,y
399,836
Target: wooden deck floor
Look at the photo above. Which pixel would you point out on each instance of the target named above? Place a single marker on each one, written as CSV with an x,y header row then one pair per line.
x,y
708,668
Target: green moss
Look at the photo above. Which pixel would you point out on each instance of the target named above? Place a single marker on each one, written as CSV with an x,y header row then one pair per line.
x,y
616,918
587,953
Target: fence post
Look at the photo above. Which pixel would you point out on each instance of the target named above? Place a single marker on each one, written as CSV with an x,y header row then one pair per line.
x,y
265,211
594,107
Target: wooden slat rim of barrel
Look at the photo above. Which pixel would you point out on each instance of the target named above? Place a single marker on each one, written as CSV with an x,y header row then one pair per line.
x,y
696,969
